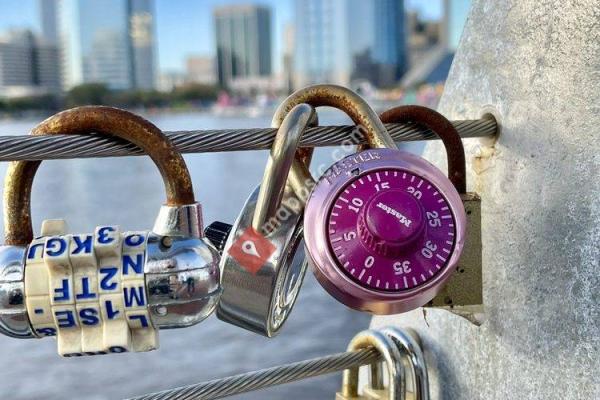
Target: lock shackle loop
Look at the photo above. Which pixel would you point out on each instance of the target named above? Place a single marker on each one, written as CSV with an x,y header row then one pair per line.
x,y
391,356
346,100
283,152
442,127
82,121
410,349
343,99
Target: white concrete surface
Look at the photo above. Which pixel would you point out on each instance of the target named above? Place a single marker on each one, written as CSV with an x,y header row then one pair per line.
x,y
537,65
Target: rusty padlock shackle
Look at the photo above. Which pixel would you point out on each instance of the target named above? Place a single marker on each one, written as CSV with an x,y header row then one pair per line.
x,y
345,100
442,127
85,120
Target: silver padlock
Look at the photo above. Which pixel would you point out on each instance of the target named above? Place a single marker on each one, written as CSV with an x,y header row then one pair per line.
x,y
263,262
106,292
413,362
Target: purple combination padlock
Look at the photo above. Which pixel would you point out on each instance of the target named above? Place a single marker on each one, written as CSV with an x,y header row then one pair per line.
x,y
384,229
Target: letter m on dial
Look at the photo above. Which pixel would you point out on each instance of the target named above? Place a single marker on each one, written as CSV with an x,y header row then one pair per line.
x,y
134,296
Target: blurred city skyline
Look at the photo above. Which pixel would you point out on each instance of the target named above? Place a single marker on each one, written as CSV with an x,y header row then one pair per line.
x,y
193,20
154,53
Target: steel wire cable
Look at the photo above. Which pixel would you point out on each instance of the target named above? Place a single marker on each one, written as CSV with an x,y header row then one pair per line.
x,y
27,147
255,380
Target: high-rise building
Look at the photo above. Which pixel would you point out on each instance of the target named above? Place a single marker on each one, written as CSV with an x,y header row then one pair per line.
x,y
48,20
322,42
141,30
107,41
47,66
200,69
16,59
379,48
243,39
339,41
28,65
288,57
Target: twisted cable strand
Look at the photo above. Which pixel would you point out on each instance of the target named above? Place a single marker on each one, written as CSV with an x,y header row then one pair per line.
x,y
242,383
14,148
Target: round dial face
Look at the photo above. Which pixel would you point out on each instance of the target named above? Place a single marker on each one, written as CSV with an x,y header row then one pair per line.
x,y
391,230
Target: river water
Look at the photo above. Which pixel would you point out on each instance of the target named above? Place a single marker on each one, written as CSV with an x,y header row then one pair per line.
x,y
128,192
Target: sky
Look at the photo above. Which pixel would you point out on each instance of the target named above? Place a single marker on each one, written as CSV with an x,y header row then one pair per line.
x,y
184,27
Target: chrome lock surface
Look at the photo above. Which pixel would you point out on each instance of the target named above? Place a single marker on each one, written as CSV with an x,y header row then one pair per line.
x,y
107,291
384,229
263,261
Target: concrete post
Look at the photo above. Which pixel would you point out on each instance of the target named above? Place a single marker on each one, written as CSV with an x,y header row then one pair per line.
x,y
536,66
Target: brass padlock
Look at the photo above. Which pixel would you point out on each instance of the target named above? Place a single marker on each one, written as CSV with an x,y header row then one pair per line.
x,y
395,370
463,293
106,292
401,353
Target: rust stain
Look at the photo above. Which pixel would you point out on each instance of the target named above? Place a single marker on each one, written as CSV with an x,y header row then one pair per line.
x,y
344,99
82,121
442,127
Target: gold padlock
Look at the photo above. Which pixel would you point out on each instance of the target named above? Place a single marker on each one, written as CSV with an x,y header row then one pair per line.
x,y
395,370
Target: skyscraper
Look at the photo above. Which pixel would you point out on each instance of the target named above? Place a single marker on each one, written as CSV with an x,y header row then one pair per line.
x,y
141,30
389,46
48,19
28,65
47,66
288,57
107,41
17,67
322,42
339,41
243,39
200,69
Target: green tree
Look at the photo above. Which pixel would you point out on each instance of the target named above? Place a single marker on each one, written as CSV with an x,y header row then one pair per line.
x,y
195,92
46,102
87,94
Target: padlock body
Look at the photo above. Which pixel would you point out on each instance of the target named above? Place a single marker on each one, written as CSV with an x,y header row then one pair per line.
x,y
182,280
260,288
107,291
463,293
384,230
13,312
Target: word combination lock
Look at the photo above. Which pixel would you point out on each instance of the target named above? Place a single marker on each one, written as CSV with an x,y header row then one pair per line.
x,y
263,260
110,291
384,229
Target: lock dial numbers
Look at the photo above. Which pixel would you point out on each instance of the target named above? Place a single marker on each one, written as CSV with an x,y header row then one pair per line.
x,y
391,230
